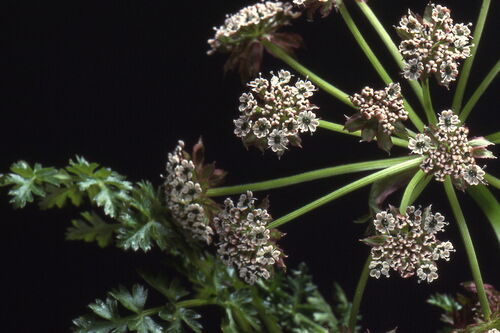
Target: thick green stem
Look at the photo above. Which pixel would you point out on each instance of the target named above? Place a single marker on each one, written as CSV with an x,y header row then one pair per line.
x,y
464,76
393,49
322,84
479,91
492,180
429,110
409,190
469,247
340,129
358,294
375,62
495,137
347,189
307,176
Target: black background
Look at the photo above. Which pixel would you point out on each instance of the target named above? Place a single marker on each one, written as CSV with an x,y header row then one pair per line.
x,y
119,82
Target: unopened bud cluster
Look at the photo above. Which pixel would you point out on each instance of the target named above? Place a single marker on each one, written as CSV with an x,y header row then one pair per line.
x,y
275,111
184,195
244,239
433,45
448,151
250,23
408,244
385,106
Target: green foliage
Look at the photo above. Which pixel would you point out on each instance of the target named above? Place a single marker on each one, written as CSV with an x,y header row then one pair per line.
x,y
92,228
445,302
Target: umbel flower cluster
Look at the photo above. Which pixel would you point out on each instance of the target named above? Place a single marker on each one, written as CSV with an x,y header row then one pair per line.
x,y
185,185
274,112
324,6
408,244
244,239
380,114
433,44
448,151
241,32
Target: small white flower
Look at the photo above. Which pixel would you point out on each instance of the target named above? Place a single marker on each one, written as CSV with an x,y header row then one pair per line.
x,y
421,144
384,222
473,174
191,190
434,223
493,330
307,121
393,91
261,127
246,200
413,69
443,250
290,127
277,141
268,255
448,71
378,268
448,121
440,13
243,126
305,88
427,272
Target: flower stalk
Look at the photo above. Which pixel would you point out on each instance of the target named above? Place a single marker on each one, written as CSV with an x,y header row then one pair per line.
x,y
429,110
358,294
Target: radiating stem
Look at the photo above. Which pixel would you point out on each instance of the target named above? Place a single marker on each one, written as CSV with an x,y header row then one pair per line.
x,y
393,49
322,84
488,204
347,189
358,294
307,176
340,129
464,75
429,110
409,190
492,180
469,247
375,62
479,91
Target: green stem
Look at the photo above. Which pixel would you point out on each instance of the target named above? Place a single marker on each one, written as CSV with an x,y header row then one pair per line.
x,y
420,188
322,84
408,194
429,110
346,189
375,62
488,204
393,49
191,303
358,295
469,247
462,80
495,137
307,176
479,91
340,129
492,180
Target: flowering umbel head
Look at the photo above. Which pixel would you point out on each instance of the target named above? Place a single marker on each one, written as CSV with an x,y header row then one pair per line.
x,y
380,114
433,44
311,6
407,243
241,33
244,239
275,111
186,183
448,151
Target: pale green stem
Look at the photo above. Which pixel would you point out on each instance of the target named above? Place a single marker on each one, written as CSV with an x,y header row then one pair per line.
x,y
464,76
375,62
340,129
488,204
347,189
319,82
358,294
393,49
307,176
469,247
492,180
479,91
429,110
495,137
420,187
410,189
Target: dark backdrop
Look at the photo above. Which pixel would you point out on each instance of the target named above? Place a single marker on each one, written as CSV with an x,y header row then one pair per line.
x,y
119,82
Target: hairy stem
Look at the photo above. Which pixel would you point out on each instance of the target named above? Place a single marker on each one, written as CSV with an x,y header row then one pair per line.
x,y
340,129
479,91
322,84
429,110
386,39
375,62
469,247
464,76
307,176
347,189
358,294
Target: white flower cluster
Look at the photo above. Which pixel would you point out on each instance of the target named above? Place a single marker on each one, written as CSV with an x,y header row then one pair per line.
x,y
386,105
409,244
433,44
251,22
184,195
244,239
306,2
274,112
448,151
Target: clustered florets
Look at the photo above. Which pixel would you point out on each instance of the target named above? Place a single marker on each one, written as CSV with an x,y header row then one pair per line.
x,y
407,243
184,195
324,6
433,44
244,239
274,112
448,151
